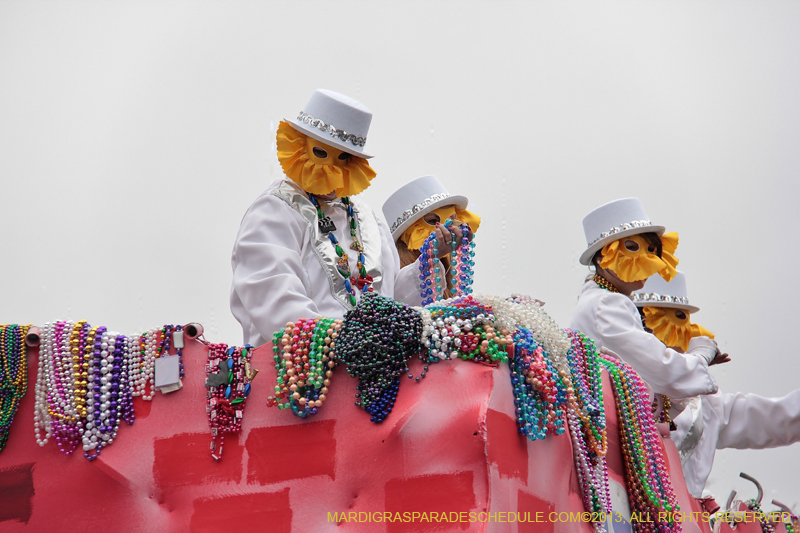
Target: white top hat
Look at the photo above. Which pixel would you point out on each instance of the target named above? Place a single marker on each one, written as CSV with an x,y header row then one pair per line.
x,y
335,119
415,199
613,221
657,292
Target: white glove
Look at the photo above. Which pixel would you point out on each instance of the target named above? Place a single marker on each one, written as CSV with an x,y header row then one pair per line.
x,y
704,347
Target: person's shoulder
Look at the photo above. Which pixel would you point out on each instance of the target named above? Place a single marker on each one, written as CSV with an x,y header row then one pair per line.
x,y
279,194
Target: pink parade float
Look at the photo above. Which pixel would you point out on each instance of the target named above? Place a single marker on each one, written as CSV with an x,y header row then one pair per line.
x,y
448,457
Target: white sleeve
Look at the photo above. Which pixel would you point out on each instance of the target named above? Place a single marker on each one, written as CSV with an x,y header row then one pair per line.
x,y
678,375
751,421
268,274
405,286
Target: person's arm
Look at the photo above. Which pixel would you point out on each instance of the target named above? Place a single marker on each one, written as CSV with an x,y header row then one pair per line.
x,y
268,275
678,375
751,421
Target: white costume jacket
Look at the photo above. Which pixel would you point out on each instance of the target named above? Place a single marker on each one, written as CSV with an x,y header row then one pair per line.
x,y
612,321
743,421
284,267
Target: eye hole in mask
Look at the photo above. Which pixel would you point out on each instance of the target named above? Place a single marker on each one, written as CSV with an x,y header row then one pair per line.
x,y
680,314
631,246
344,156
431,218
319,152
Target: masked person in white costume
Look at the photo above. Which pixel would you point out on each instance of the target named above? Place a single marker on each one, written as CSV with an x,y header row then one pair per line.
x,y
414,212
714,421
304,247
626,249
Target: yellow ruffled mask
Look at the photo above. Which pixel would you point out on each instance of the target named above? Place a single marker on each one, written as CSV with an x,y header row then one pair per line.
x,y
414,235
317,167
640,264
671,329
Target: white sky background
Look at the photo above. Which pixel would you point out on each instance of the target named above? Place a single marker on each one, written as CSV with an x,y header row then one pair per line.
x,y
134,135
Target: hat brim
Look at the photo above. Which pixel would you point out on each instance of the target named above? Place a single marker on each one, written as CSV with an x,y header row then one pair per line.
x,y
671,305
459,201
311,131
586,257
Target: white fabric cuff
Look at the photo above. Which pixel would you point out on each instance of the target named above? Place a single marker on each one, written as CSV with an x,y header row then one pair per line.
x,y
704,347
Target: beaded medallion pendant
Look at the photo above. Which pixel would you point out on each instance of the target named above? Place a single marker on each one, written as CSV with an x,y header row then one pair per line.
x,y
13,375
377,340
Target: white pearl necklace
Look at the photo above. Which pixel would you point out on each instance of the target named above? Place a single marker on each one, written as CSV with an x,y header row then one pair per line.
x,y
523,312
41,414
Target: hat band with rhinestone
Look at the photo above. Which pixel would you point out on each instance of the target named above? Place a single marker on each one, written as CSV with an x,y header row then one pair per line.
x,y
330,129
652,297
408,213
622,227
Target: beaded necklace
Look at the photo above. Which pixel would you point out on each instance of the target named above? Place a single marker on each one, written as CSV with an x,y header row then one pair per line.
x,y
44,383
604,283
376,342
461,260
649,486
587,422
13,375
228,389
540,391
763,519
433,280
462,327
327,227
304,359
147,364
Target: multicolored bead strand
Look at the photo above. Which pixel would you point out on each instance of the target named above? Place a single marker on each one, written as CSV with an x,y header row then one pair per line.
x,y
431,288
540,390
649,486
433,281
587,422
364,281
304,359
228,389
13,375
462,261
463,327
376,342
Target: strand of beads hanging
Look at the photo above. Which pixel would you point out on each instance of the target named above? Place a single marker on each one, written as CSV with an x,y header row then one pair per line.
x,y
376,342
172,335
763,519
462,260
228,384
603,283
649,486
662,415
304,356
462,327
86,380
364,281
540,390
587,424
13,375
431,277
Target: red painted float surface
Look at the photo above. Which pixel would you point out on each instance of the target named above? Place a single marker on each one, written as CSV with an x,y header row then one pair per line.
x,y
450,447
